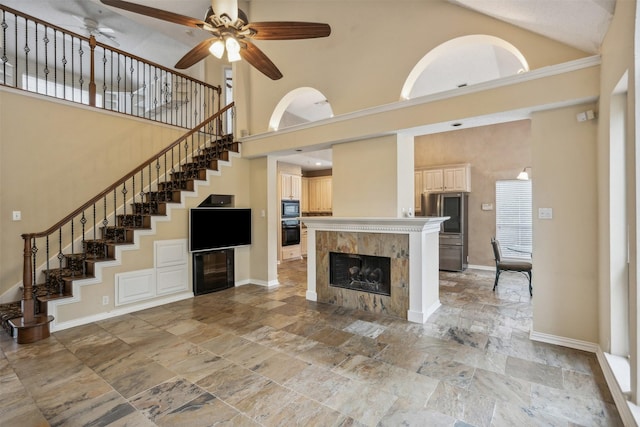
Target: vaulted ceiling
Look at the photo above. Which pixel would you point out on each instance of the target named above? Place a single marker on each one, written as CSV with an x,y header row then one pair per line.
x,y
581,24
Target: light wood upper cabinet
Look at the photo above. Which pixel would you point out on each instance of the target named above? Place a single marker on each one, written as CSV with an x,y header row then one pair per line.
x,y
304,195
320,194
290,186
449,178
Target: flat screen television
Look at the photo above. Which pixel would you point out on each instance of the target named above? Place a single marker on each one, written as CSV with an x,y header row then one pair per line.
x,y
219,228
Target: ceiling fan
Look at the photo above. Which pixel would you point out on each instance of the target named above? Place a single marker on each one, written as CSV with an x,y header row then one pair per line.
x,y
91,27
231,31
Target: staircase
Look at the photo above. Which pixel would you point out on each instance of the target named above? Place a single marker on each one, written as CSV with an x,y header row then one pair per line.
x,y
108,221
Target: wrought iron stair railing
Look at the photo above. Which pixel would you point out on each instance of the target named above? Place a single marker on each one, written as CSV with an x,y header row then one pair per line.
x,y
70,249
40,57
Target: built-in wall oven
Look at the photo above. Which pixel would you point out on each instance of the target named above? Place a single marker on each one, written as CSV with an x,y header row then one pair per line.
x,y
290,232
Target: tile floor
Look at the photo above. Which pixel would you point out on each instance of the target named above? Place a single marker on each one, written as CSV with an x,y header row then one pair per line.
x,y
249,356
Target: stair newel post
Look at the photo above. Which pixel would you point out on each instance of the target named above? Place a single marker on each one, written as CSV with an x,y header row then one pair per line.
x,y
28,306
92,72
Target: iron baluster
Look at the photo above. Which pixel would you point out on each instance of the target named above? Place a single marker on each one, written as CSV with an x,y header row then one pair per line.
x,y
47,274
60,258
105,223
83,221
115,208
94,221
34,251
26,54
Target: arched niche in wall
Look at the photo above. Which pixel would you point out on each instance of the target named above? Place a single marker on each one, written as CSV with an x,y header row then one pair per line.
x,y
463,61
301,105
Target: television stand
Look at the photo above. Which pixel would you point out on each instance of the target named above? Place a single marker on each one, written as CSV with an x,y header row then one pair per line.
x,y
213,271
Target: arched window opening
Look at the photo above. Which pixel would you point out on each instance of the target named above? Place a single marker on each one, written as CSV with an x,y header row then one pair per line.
x,y
301,105
463,61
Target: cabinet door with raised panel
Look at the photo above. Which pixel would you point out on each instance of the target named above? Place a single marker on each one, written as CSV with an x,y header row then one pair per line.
x,y
456,179
296,187
304,195
290,186
326,195
433,180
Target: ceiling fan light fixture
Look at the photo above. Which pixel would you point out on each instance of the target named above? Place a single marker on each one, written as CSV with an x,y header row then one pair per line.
x,y
233,49
217,49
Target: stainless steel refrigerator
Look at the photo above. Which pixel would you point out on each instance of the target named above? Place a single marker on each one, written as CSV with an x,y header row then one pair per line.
x,y
454,232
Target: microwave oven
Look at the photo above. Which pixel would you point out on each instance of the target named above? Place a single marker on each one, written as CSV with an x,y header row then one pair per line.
x,y
290,208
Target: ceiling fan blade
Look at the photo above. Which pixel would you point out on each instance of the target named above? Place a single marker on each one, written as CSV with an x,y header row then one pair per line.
x,y
196,54
259,60
283,30
155,13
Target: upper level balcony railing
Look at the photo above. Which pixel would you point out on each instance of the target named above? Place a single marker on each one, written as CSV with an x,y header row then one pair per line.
x,y
39,57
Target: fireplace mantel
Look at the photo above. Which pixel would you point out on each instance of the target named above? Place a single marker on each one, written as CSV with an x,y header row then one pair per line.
x,y
423,265
377,225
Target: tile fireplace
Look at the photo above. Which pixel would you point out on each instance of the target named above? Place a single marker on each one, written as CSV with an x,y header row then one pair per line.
x,y
410,246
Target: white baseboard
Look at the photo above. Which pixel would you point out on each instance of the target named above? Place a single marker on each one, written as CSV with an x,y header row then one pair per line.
x,y
59,326
422,316
563,341
268,284
481,267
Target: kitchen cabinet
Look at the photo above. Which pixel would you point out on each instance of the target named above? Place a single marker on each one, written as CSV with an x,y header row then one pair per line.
x,y
450,178
290,252
320,194
433,180
304,195
290,186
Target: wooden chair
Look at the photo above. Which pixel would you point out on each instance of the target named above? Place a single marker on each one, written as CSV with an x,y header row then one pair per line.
x,y
510,264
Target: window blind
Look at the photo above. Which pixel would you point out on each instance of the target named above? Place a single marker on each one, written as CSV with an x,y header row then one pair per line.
x,y
514,223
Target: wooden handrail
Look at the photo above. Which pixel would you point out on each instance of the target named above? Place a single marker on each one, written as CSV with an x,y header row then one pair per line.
x,y
113,186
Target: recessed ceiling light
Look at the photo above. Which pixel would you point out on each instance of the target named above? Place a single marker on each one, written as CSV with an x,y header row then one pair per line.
x,y
318,164
456,124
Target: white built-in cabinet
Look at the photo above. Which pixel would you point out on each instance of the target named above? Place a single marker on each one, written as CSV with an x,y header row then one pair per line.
x,y
451,178
290,186
168,276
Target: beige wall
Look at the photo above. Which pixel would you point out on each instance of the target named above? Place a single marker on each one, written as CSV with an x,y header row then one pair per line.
x,y
618,57
494,152
348,67
565,248
364,178
54,156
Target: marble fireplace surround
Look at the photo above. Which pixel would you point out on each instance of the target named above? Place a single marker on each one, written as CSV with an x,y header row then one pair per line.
x,y
412,245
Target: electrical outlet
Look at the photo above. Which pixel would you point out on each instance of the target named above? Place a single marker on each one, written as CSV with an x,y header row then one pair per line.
x,y
17,215
105,300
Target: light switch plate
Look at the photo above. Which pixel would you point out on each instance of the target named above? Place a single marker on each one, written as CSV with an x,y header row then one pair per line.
x,y
487,206
545,213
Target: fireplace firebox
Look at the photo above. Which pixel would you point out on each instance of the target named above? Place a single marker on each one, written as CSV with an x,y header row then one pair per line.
x,y
365,273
